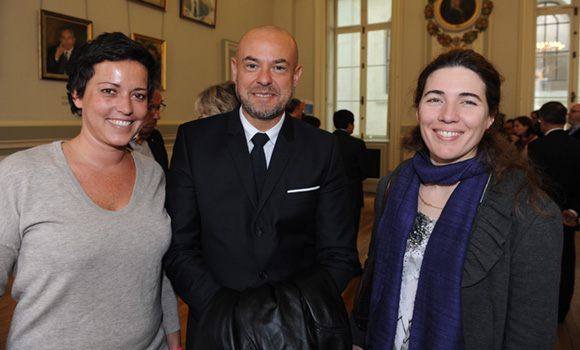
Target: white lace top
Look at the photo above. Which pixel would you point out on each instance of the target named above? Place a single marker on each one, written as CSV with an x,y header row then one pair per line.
x,y
416,245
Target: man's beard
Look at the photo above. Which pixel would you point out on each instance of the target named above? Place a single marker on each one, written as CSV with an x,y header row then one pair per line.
x,y
270,114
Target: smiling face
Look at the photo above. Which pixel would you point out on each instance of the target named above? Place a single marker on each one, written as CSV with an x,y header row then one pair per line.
x,y
266,72
114,104
453,114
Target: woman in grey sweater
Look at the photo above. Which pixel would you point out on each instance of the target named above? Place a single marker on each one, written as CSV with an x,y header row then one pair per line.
x,y
82,222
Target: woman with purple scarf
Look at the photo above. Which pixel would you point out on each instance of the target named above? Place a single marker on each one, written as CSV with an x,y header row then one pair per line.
x,y
466,248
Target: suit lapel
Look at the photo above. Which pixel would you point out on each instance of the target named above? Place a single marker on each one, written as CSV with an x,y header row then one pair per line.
x,y
241,157
282,152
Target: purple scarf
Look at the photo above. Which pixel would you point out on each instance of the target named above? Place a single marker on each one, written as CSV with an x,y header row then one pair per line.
x,y
437,317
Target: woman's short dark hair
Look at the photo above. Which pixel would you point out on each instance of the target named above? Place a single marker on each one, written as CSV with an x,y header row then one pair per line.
x,y
106,47
526,121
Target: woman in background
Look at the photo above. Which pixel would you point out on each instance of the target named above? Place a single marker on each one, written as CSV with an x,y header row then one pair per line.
x,y
466,252
524,129
83,221
217,99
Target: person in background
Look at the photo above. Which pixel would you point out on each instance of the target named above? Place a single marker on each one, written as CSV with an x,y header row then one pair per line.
x,y
356,162
217,99
534,116
466,252
149,140
257,200
557,156
509,131
312,120
58,57
84,226
295,108
524,130
574,120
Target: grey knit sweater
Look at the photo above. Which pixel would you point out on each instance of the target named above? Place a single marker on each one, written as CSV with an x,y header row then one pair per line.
x,y
84,277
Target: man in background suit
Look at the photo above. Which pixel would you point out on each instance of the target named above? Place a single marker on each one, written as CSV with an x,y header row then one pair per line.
x,y
356,163
295,108
574,120
58,56
233,230
557,157
149,140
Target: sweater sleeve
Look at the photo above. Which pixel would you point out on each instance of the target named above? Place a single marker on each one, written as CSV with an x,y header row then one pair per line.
x,y
10,237
169,306
533,287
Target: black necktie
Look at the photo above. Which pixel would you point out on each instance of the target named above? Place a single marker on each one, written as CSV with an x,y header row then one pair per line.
x,y
259,159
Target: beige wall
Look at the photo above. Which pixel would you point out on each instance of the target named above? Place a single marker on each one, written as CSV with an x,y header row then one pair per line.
x,y
34,110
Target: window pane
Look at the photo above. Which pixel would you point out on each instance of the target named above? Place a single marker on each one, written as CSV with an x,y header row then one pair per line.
x,y
348,67
547,3
379,11
348,50
376,123
377,82
348,84
348,13
552,59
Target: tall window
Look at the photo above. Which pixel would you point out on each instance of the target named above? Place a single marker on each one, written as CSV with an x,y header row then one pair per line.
x,y
555,53
361,63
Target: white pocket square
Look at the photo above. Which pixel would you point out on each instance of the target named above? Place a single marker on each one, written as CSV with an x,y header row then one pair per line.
x,y
307,189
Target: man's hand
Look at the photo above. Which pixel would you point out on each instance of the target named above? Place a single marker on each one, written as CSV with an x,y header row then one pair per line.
x,y
59,51
569,218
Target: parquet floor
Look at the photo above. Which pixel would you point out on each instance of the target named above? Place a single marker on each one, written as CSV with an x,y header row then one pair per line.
x,y
568,332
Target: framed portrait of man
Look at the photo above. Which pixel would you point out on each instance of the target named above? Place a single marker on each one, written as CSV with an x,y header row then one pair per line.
x,y
200,11
157,49
59,36
457,14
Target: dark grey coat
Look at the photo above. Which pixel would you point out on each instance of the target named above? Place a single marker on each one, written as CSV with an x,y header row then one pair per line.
x,y
511,273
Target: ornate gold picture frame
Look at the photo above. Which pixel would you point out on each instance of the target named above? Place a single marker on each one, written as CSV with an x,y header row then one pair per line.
x,y
59,35
157,48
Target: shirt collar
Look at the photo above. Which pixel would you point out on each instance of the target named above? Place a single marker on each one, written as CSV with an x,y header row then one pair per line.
x,y
250,130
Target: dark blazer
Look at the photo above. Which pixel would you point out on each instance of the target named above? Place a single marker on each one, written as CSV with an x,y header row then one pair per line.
x,y
576,134
557,156
356,165
157,146
509,287
225,236
53,66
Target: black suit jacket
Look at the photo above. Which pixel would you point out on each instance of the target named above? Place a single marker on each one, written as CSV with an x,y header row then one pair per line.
x,y
225,236
53,66
576,134
157,146
557,156
356,165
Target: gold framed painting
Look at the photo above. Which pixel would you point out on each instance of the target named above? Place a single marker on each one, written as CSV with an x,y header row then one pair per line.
x,y
59,36
157,4
457,15
157,48
200,11
229,52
